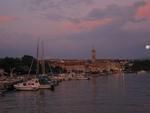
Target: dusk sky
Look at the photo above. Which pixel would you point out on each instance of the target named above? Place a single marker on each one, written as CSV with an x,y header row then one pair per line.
x,y
70,28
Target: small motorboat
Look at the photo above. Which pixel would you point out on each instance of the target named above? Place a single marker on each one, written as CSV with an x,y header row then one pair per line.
x,y
82,77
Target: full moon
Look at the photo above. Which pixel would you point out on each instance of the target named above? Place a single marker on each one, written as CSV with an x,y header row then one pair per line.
x,y
147,47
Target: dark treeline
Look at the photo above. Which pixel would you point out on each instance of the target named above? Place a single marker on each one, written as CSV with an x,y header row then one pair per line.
x,y
22,65
138,65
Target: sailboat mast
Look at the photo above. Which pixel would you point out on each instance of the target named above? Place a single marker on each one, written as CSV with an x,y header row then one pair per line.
x,y
43,61
37,71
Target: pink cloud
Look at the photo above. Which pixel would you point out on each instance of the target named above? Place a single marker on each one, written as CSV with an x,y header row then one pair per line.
x,y
143,12
5,19
86,24
132,26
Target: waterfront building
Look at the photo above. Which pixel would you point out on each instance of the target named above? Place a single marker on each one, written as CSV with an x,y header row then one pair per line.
x,y
75,65
92,65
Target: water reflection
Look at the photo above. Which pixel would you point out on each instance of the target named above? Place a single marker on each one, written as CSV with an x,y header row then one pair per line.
x,y
41,102
106,94
94,88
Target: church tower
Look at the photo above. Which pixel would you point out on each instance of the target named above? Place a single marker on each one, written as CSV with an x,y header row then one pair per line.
x,y
93,55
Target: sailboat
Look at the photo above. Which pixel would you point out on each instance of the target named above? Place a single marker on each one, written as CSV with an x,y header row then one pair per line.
x,y
43,79
30,85
33,84
40,82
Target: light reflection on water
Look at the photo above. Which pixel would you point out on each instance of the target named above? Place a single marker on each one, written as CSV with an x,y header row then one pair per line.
x,y
105,94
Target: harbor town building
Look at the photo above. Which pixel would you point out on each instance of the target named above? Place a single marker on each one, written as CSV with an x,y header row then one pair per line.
x,y
92,65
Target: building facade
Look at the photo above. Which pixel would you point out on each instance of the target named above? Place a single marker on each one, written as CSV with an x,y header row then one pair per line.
x,y
91,66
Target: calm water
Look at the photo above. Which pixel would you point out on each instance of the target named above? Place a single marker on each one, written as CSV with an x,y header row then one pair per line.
x,y
106,94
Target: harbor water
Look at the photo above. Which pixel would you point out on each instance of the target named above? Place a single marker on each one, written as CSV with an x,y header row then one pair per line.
x,y
128,93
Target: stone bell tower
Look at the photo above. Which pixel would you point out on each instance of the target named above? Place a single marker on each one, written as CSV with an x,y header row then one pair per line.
x,y
93,55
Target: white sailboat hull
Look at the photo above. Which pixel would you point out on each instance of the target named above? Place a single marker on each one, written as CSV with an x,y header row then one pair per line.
x,y
25,88
30,85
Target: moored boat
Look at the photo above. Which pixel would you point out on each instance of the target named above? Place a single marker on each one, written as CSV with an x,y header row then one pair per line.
x,y
82,78
33,84
30,85
40,82
44,83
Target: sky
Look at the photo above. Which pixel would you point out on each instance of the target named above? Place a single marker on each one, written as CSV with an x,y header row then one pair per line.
x,y
71,28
